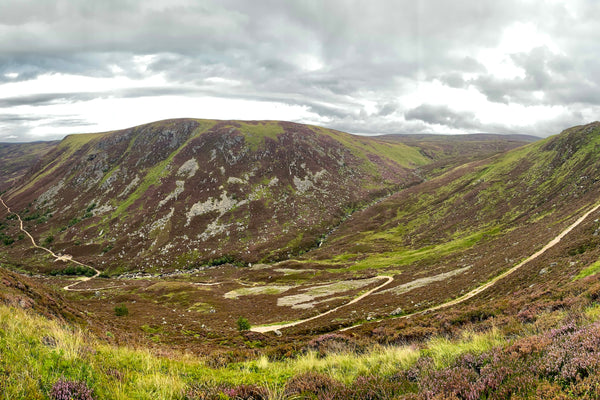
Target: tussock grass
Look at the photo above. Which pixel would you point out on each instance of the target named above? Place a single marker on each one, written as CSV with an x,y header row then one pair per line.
x,y
36,352
444,352
345,367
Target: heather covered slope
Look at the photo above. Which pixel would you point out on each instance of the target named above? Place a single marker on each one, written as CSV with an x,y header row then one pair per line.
x,y
547,180
446,151
175,193
534,332
19,291
18,158
179,193
451,234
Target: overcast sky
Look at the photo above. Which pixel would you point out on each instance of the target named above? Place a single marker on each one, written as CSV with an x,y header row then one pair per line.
x,y
397,66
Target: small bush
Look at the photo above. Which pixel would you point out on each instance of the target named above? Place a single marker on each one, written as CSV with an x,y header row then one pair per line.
x,y
331,343
121,310
74,221
226,259
49,239
243,324
246,392
70,390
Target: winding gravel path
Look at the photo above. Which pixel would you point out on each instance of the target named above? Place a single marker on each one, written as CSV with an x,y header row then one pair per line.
x,y
492,282
58,257
271,328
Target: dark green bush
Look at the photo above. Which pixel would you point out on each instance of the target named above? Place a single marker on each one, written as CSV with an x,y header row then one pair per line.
x,y
121,310
243,324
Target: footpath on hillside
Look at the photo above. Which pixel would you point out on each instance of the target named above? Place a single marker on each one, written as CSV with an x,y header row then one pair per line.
x,y
57,257
272,328
458,300
389,279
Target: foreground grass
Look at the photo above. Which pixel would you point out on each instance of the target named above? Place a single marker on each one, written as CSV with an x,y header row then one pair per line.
x,y
35,353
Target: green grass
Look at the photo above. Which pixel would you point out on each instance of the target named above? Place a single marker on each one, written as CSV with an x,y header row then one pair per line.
x,y
402,154
35,352
255,134
444,351
409,256
592,269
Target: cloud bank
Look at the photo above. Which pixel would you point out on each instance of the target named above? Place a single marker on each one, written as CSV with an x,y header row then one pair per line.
x,y
394,66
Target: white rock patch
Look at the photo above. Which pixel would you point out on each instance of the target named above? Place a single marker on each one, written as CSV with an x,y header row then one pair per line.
x,y
162,222
273,182
188,168
129,187
233,179
302,185
49,194
173,195
417,283
222,205
102,209
299,301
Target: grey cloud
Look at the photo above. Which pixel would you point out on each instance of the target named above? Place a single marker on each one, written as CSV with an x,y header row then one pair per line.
x,y
443,115
16,127
553,75
329,56
388,109
45,99
453,79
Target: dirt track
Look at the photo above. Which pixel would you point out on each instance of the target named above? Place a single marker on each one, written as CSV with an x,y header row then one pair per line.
x,y
57,257
271,328
503,275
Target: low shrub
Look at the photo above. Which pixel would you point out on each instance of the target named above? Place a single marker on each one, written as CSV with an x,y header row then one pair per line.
x,y
76,270
121,310
311,383
246,392
65,389
332,343
243,324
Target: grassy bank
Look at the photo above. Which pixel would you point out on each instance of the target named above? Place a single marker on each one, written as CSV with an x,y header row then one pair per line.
x,y
36,352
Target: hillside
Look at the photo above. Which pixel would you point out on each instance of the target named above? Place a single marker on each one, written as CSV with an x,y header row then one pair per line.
x,y
180,193
406,294
452,233
186,191
18,158
448,151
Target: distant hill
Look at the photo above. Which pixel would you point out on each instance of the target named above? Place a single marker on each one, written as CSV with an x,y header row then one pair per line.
x,y
17,158
452,150
184,191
